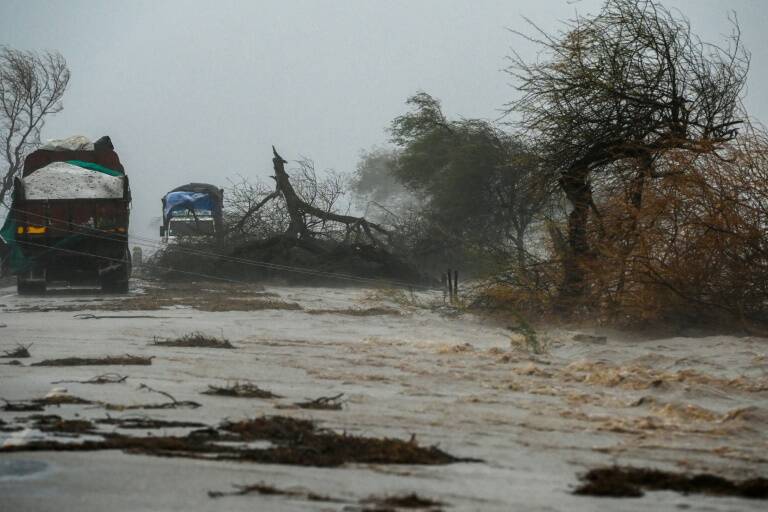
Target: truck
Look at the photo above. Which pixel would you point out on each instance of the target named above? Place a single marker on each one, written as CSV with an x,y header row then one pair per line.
x,y
68,220
192,210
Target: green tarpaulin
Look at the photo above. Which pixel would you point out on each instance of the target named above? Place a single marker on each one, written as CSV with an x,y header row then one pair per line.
x,y
94,167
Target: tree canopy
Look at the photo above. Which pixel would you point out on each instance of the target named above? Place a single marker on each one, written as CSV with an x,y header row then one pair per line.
x,y
481,185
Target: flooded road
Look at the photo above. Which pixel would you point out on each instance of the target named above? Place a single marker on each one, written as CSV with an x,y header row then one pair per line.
x,y
407,367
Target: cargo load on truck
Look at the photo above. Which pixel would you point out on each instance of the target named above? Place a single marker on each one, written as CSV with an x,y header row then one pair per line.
x,y
68,221
194,209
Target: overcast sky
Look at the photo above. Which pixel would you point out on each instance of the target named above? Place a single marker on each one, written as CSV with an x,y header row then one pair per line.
x,y
199,91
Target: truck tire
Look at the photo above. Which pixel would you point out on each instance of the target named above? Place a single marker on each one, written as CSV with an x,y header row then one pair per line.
x,y
117,281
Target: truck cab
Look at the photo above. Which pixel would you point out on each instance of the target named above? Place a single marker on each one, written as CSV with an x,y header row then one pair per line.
x,y
189,223
193,210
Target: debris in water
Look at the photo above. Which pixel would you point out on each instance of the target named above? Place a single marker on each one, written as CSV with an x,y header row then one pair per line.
x,y
292,441
55,423
377,311
456,349
20,351
270,490
21,406
106,378
332,403
89,316
180,404
241,391
173,404
62,399
195,339
127,359
38,404
619,481
411,500
4,427
588,338
142,422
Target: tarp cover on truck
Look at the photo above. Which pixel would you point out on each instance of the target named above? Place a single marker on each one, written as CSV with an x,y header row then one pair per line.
x,y
73,180
193,196
72,168
100,152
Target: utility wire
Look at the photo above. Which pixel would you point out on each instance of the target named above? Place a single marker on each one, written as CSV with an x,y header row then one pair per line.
x,y
196,274
150,243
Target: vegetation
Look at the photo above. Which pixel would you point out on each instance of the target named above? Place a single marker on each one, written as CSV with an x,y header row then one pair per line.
x,y
482,189
633,124
630,189
32,86
614,96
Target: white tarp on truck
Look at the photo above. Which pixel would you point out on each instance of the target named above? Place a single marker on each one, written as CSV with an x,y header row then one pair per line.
x,y
74,143
62,180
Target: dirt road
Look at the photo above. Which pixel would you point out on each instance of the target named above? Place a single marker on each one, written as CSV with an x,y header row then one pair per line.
x,y
404,366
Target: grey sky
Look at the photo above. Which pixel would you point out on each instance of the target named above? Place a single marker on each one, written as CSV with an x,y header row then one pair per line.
x,y
198,91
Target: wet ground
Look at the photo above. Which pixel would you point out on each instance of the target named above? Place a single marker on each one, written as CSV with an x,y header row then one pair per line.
x,y
407,366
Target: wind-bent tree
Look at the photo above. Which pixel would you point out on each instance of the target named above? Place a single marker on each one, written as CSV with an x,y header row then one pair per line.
x,y
482,187
31,88
376,187
617,90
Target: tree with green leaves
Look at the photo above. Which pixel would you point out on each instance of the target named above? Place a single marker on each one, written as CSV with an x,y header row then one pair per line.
x,y
482,188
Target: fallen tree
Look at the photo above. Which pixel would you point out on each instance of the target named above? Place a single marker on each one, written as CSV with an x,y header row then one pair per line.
x,y
301,211
295,231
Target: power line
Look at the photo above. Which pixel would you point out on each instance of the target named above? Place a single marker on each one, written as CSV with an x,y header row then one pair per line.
x,y
117,260
196,274
149,243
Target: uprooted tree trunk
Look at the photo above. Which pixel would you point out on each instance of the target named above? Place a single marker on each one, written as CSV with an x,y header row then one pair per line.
x,y
300,210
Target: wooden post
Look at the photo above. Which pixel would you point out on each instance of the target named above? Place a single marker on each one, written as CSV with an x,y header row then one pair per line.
x,y
444,282
456,285
450,286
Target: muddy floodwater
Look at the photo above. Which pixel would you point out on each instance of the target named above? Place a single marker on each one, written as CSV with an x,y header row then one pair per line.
x,y
521,426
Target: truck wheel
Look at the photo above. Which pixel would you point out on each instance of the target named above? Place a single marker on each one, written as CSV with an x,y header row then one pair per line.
x,y
117,281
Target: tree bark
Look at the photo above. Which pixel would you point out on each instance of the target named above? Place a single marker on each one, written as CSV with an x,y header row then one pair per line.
x,y
575,184
298,208
297,227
